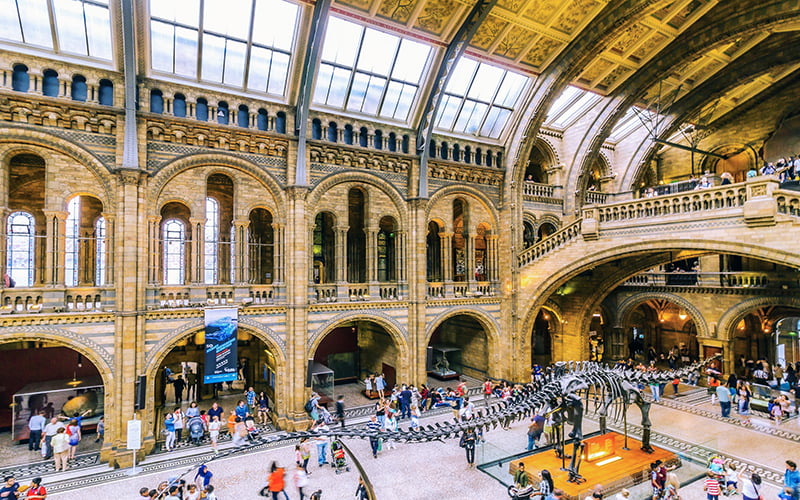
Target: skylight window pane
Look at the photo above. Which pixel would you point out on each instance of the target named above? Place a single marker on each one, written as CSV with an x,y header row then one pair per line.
x,y
9,23
278,73
374,51
341,42
213,57
462,76
186,52
338,90
36,28
411,61
469,120
274,23
260,62
99,30
586,102
495,122
484,86
405,102
324,76
162,37
510,89
374,93
565,99
186,12
358,92
71,29
449,110
227,17
234,62
393,93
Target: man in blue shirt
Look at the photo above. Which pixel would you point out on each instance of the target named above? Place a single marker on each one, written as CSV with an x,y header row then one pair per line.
x,y
36,425
10,489
791,479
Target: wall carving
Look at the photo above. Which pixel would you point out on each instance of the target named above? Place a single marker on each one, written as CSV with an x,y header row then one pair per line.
x,y
466,173
351,158
61,114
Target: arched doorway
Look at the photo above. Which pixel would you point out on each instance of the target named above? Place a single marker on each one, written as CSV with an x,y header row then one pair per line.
x,y
459,346
71,386
259,364
754,337
543,329
661,331
545,230
349,353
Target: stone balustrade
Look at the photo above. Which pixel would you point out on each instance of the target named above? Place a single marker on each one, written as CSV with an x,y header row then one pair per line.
x,y
550,243
716,279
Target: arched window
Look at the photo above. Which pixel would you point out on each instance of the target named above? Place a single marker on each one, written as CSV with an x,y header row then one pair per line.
x,y
456,152
243,116
324,249
156,101
432,149
179,106
201,110
316,129
72,242
211,253
105,92
262,120
363,137
392,142
386,250
20,248
222,113
478,156
280,122
467,154
406,141
333,132
348,134
174,252
100,251
528,235
50,83
79,89
443,150
488,158
499,159
20,80
481,264
459,240
378,139
261,244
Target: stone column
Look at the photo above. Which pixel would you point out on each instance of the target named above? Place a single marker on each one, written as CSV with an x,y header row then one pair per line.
x,y
372,261
341,262
400,256
469,257
492,259
54,247
196,268
446,247
155,253
241,257
110,228
4,213
279,239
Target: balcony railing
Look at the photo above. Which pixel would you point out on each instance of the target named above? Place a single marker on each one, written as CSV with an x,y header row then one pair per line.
x,y
47,299
461,289
717,279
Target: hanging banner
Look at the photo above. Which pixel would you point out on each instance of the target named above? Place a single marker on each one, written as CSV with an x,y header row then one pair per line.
x,y
222,327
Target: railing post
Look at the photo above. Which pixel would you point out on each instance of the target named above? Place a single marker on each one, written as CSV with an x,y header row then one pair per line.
x,y
590,226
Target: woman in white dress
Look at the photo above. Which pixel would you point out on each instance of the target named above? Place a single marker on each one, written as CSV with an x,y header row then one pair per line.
x,y
213,432
368,385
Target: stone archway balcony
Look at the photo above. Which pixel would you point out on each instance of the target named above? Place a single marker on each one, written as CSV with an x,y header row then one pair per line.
x,y
170,297
535,194
461,289
320,293
40,298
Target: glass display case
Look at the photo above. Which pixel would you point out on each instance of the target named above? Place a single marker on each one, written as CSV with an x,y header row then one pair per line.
x,y
321,381
444,362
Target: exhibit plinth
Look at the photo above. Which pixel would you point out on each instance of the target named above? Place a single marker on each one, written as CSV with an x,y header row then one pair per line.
x,y
605,462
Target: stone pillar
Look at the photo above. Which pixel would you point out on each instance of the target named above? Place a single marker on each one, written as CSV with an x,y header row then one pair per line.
x,y
492,258
469,257
64,87
54,247
197,252
446,256
342,291
110,229
279,231
400,256
155,250
4,213
241,257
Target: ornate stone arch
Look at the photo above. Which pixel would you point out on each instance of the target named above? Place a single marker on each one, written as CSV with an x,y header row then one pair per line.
x,y
329,181
470,192
94,352
731,317
156,354
166,173
393,328
21,140
548,218
627,306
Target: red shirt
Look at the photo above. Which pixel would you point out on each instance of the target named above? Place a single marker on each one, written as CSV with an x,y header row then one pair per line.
x,y
712,486
38,491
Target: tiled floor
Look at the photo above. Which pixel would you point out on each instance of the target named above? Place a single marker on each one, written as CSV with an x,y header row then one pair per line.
x,y
438,470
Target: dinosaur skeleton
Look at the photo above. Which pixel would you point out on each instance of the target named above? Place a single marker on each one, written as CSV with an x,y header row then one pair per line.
x,y
565,394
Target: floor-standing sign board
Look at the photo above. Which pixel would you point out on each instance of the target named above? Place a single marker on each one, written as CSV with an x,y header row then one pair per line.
x,y
222,328
134,440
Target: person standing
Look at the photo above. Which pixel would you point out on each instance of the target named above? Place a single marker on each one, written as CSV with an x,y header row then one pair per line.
x,y
322,442
191,384
535,430
35,491
251,398
179,420
74,433
711,486
468,443
213,432
263,407
487,391
380,385
169,426
101,429
340,409
374,439
724,397
300,480
215,411
179,384
276,482
60,444
791,479
203,476
49,431
405,402
36,425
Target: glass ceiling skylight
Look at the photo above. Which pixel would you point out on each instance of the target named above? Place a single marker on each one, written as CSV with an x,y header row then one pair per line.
x,y
242,43
368,71
479,99
569,106
82,27
625,126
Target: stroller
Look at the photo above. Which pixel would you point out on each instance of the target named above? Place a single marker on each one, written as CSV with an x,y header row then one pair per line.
x,y
338,458
197,429
252,430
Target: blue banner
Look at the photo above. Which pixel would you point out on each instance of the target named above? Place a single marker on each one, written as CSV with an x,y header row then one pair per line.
x,y
222,327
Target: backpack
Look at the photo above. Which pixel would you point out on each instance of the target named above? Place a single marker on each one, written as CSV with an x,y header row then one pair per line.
x,y
309,407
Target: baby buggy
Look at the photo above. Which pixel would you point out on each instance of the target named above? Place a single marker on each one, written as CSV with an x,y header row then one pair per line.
x,y
338,458
523,492
252,430
196,430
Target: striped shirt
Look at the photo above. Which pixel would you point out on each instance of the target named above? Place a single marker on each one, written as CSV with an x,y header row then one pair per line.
x,y
712,486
